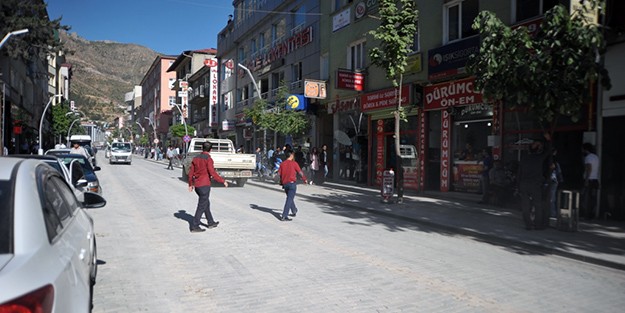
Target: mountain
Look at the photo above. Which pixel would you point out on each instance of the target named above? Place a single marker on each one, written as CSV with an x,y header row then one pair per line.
x,y
103,72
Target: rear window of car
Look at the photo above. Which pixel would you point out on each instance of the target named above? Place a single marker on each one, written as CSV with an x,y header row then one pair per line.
x,y
6,216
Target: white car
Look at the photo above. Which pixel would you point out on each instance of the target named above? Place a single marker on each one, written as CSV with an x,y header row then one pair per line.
x,y
48,259
121,152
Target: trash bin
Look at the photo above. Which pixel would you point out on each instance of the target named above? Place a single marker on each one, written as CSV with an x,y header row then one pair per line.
x,y
568,210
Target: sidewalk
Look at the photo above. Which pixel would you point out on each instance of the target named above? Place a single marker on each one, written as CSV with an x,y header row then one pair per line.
x,y
597,242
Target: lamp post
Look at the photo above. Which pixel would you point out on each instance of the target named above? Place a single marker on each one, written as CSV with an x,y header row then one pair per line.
x,y
6,37
249,73
140,126
70,128
153,128
40,151
186,131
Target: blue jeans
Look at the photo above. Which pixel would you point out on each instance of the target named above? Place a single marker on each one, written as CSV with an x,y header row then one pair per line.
x,y
289,189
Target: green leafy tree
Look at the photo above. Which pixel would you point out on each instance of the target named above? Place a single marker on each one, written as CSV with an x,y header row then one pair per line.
x,y
42,37
550,73
277,118
178,130
398,25
60,120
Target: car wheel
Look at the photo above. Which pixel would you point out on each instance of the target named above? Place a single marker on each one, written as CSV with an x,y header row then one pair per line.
x,y
241,182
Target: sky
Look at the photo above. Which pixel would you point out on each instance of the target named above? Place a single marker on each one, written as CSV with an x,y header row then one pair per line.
x,y
165,26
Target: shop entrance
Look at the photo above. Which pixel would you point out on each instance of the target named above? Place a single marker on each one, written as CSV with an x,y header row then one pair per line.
x,y
470,139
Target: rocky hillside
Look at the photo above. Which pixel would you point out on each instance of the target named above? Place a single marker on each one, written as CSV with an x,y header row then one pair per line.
x,y
103,72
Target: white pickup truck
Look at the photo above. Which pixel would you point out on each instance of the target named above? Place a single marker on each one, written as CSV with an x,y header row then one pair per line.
x,y
229,164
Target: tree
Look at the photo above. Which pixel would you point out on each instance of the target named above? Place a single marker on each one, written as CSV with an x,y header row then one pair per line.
x,y
42,37
551,73
277,118
178,130
60,120
396,35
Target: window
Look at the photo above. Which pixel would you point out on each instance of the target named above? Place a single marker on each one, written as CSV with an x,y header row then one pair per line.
x,y
241,54
261,40
356,56
296,73
299,17
526,9
416,46
253,46
324,68
277,31
458,17
172,100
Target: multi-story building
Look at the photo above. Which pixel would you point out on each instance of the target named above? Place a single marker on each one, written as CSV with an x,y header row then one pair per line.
x,y
278,42
196,91
133,102
154,114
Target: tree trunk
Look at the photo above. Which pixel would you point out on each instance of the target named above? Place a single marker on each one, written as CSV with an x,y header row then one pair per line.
x,y
399,171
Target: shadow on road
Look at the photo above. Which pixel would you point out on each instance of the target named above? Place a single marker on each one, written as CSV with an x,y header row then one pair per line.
x,y
271,211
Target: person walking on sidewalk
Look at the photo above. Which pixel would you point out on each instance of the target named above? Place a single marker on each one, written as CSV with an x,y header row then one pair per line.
x,y
170,157
200,174
288,179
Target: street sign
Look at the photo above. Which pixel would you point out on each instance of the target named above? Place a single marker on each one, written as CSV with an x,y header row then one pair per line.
x,y
210,62
156,141
186,138
182,94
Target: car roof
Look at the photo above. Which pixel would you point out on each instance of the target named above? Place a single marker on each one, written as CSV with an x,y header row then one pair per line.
x,y
6,166
34,156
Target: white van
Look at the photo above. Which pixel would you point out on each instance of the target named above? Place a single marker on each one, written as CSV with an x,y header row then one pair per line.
x,y
121,152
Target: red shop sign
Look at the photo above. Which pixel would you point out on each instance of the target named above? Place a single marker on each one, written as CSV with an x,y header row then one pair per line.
x,y
384,99
452,93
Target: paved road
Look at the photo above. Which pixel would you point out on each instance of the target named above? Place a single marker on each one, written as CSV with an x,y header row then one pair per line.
x,y
331,258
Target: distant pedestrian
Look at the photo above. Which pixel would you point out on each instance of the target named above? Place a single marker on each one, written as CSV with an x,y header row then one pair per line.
x,y
532,177
170,157
201,172
314,164
323,158
241,149
555,179
487,164
259,161
591,181
289,169
78,149
299,157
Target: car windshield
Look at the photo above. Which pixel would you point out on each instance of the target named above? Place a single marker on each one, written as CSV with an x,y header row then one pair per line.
x,y
120,147
6,222
86,167
56,166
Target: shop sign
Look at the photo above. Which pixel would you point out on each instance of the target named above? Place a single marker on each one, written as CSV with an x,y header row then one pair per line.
x,y
474,110
227,125
344,105
361,10
348,79
452,93
384,99
213,98
296,102
445,149
379,155
414,63
280,50
466,176
315,89
341,20
451,59
422,145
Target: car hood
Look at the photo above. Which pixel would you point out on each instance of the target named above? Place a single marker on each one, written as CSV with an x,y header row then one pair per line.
x,y
4,260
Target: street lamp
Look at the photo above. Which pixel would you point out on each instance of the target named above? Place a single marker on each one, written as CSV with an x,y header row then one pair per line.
x,y
249,73
70,128
40,152
153,128
186,131
141,126
6,37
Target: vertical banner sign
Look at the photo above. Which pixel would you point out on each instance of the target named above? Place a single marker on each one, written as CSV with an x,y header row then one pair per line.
x,y
212,101
496,150
445,129
379,155
422,145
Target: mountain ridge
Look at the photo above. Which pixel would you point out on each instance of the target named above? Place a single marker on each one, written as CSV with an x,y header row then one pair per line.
x,y
103,72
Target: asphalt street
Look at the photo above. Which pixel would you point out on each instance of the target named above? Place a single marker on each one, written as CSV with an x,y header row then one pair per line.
x,y
333,257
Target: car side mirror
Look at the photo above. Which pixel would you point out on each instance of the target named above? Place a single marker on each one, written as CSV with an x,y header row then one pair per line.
x,y
81,183
92,200
97,168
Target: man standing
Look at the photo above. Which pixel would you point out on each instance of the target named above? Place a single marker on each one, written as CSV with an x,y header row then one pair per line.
x,y
200,174
78,149
532,177
288,179
591,181
323,156
170,157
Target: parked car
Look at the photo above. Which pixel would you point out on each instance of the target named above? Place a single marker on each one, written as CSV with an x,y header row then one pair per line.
x,y
48,255
93,183
72,172
57,151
